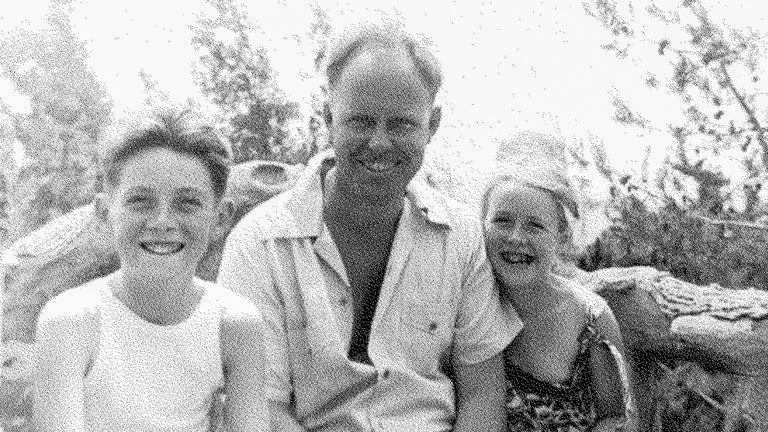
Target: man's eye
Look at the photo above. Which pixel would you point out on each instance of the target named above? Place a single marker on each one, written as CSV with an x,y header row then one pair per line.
x,y
402,126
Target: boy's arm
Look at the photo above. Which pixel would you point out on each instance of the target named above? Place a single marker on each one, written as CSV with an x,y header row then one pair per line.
x,y
243,359
246,271
62,356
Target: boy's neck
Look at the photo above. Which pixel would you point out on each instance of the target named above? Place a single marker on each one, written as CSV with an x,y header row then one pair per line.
x,y
162,301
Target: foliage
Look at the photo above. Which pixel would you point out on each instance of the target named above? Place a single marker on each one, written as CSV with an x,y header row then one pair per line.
x,y
692,221
68,110
236,75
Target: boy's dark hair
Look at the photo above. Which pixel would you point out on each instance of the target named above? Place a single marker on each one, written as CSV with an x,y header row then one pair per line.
x,y
176,131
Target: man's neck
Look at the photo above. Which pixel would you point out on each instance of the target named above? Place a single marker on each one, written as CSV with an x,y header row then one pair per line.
x,y
343,204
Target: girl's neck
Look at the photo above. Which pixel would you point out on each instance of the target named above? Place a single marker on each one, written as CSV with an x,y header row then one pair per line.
x,y
535,298
161,301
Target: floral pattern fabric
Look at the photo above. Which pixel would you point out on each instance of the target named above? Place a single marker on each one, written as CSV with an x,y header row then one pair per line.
x,y
534,405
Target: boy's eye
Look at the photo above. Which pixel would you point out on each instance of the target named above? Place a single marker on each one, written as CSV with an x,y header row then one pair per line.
x,y
189,204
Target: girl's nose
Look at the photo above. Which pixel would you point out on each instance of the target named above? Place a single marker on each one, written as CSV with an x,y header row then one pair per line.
x,y
515,234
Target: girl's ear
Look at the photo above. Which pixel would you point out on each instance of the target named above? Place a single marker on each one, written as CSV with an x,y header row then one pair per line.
x,y
434,119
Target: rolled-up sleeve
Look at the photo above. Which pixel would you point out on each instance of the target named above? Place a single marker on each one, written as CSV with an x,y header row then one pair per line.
x,y
485,325
245,270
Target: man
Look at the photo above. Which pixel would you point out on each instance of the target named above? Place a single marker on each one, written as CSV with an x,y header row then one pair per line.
x,y
380,307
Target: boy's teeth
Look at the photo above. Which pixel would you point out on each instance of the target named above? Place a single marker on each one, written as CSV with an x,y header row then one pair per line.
x,y
162,248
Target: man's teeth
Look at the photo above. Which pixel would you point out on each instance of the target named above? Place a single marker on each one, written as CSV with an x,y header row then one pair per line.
x,y
516,258
162,248
380,166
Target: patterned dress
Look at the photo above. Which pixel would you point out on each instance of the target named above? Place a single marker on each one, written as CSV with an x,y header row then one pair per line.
x,y
534,405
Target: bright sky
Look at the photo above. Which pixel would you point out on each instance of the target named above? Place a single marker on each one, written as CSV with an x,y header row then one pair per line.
x,y
508,65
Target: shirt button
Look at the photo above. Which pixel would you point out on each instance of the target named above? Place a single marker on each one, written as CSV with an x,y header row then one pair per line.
x,y
432,326
343,301
385,374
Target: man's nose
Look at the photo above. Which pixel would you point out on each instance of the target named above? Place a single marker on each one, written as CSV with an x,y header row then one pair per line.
x,y
380,139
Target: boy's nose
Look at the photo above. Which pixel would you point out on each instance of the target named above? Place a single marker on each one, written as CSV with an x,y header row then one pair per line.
x,y
162,218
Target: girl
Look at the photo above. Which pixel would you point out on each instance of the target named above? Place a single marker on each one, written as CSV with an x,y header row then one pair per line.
x,y
564,370
148,347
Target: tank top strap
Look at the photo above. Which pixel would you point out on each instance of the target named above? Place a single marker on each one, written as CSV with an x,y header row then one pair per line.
x,y
591,339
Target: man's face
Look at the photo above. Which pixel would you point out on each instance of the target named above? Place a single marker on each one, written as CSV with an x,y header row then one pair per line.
x,y
381,119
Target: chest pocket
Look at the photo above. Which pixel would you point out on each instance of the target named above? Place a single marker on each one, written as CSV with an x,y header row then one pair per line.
x,y
425,336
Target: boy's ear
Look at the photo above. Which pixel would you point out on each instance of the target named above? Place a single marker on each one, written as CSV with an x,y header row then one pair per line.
x,y
225,214
434,119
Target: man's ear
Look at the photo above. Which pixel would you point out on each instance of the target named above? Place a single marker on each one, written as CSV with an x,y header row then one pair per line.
x,y
434,119
101,206
327,114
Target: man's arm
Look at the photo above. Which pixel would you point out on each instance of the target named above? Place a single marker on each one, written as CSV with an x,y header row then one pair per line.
x,y
283,418
480,393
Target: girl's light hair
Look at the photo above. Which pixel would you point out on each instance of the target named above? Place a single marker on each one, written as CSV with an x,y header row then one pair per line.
x,y
536,160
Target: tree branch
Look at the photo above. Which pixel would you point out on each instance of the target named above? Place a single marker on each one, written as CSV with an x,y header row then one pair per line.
x,y
751,117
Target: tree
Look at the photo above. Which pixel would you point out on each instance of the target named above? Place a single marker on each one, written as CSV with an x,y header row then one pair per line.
x,y
237,77
691,219
69,109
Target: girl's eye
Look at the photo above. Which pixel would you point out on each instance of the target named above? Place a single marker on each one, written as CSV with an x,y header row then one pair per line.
x,y
137,200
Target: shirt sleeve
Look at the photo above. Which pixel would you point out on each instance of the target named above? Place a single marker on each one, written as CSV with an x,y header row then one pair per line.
x,y
245,269
485,323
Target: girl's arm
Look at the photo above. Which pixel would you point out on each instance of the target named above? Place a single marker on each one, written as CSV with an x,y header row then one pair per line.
x,y
609,377
63,354
245,409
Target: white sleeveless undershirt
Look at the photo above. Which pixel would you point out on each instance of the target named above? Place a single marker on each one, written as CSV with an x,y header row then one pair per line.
x,y
149,377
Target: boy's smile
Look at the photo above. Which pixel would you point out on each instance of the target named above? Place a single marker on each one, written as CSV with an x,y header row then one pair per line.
x,y
163,212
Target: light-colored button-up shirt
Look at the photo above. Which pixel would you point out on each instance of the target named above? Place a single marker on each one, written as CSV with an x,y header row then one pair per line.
x,y
438,304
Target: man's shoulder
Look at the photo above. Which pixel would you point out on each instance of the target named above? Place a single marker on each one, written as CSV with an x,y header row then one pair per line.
x,y
457,214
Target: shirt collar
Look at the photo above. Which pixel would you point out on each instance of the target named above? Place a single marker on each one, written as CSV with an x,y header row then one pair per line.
x,y
304,201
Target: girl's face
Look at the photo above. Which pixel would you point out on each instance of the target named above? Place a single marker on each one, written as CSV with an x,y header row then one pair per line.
x,y
521,233
162,212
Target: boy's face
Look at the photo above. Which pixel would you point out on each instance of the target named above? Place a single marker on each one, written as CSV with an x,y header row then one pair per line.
x,y
162,212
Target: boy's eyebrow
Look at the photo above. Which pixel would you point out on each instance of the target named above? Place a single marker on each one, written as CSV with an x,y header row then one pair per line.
x,y
192,190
